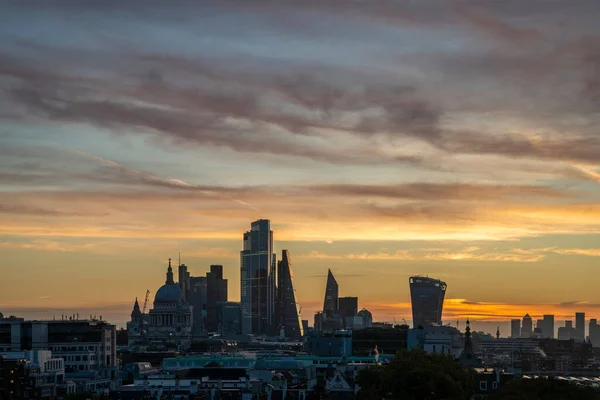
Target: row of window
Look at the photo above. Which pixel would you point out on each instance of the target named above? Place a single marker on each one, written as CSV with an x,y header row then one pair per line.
x,y
64,349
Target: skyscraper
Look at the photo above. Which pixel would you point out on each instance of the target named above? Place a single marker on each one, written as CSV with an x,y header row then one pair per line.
x,y
197,297
548,326
330,304
594,331
579,327
216,291
427,300
287,307
515,328
527,326
348,308
184,279
256,286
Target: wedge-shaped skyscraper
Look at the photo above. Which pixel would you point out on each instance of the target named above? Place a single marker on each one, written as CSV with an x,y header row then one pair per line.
x,y
287,308
330,305
427,300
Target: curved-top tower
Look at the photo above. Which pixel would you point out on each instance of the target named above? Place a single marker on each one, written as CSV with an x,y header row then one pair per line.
x,y
427,300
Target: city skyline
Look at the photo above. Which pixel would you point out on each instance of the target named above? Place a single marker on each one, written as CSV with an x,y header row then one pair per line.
x,y
382,143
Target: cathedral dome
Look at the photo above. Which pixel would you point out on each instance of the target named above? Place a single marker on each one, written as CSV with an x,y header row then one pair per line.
x,y
169,293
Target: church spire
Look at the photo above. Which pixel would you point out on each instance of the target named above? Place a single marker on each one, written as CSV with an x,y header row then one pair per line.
x,y
169,274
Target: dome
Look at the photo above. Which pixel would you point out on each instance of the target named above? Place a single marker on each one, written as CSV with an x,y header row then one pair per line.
x,y
365,313
169,293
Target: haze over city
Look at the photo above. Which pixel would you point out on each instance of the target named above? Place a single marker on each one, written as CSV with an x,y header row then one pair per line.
x,y
431,138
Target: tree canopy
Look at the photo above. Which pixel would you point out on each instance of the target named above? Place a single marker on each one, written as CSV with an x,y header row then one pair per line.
x,y
416,375
525,389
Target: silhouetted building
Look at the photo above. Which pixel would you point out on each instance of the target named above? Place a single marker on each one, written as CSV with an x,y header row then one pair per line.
x,y
330,304
527,326
229,318
184,279
427,300
216,291
579,327
305,326
198,297
386,340
335,344
594,332
467,357
348,308
566,332
515,328
287,307
170,320
257,279
548,326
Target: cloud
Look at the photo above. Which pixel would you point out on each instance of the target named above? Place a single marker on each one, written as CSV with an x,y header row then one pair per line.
x,y
578,252
467,254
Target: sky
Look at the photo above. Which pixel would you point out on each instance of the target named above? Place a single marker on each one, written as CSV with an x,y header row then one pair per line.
x,y
455,139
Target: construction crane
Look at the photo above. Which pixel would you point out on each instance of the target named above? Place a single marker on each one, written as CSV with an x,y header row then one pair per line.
x,y
142,317
146,302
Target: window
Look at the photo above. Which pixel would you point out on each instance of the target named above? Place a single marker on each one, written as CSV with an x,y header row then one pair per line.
x,y
483,386
494,385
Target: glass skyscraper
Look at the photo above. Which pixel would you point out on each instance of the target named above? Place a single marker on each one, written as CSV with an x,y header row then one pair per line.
x,y
257,289
427,300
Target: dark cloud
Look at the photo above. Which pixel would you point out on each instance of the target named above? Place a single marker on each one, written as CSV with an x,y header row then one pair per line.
x,y
431,191
251,108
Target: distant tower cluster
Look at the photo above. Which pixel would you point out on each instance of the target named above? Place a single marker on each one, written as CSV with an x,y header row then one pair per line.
x,y
427,300
340,312
268,300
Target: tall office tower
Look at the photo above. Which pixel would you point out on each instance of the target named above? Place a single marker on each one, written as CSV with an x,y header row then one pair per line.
x,y
287,307
197,298
427,300
579,327
515,328
330,304
548,326
255,261
348,306
184,280
272,296
216,291
527,326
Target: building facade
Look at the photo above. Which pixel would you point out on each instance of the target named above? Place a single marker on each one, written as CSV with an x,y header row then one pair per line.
x,y
229,318
547,326
579,327
216,291
85,346
527,326
257,286
427,300
348,308
515,328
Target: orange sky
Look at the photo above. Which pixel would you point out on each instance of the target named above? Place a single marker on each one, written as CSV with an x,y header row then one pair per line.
x,y
459,143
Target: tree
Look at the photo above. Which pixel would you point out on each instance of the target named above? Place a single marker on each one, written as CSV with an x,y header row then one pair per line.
x,y
525,389
416,375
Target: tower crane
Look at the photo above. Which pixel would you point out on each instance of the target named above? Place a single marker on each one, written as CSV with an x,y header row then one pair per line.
x,y
142,317
146,302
